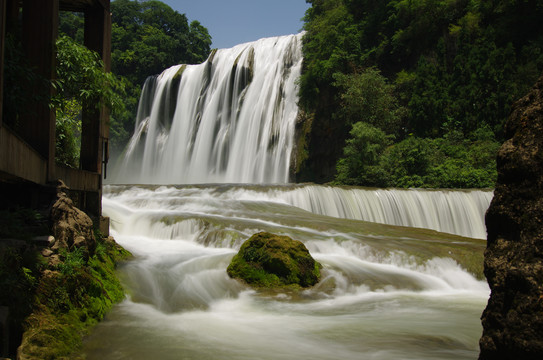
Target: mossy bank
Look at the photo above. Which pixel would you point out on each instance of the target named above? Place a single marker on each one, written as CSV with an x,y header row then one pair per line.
x,y
56,292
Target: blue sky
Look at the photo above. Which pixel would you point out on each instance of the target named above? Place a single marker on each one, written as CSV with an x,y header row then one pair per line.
x,y
232,22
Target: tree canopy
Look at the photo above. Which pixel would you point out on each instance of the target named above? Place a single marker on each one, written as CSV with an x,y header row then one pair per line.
x,y
450,69
147,37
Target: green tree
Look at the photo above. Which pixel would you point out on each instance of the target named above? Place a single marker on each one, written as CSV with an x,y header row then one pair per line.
x,y
81,81
368,97
147,37
406,163
331,45
200,42
457,66
360,164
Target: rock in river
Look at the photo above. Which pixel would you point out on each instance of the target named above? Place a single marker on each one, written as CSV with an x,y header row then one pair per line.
x,y
271,261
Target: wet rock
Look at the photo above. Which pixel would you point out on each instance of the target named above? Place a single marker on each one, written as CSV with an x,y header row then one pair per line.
x,y
513,319
46,252
269,260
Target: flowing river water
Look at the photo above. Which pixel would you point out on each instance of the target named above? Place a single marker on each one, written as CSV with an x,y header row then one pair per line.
x,y
387,292
402,269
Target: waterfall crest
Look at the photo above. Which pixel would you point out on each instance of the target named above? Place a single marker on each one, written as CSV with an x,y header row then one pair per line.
x,y
191,118
459,212
451,211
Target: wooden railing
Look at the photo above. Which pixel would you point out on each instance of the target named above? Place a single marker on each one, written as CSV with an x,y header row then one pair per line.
x,y
20,161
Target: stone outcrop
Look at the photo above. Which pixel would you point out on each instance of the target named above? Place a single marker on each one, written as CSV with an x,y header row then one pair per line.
x,y
274,261
71,227
513,319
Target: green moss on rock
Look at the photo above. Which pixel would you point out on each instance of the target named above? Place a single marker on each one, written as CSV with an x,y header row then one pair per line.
x,y
71,297
269,260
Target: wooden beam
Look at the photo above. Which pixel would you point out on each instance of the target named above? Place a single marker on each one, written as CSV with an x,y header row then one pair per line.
x,y
2,42
83,5
95,121
106,57
40,30
20,160
79,180
91,142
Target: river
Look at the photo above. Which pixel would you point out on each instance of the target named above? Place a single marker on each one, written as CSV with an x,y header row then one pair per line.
x,y
402,269
388,292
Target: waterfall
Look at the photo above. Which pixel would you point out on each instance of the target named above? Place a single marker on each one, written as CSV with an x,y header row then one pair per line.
x,y
192,118
232,120
451,211
459,212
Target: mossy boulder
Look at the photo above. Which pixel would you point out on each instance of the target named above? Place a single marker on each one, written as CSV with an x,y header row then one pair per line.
x,y
269,261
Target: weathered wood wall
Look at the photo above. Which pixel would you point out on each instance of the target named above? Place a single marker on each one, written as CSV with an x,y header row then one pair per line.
x,y
20,160
29,154
2,42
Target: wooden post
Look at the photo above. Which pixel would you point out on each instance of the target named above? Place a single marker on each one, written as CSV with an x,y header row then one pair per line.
x,y
40,29
106,57
94,118
2,42
95,124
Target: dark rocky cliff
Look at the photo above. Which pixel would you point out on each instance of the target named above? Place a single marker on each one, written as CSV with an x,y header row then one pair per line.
x,y
513,319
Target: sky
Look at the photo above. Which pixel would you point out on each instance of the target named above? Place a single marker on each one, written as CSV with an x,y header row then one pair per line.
x,y
233,22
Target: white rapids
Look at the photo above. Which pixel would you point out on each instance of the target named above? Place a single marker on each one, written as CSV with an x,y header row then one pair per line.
x,y
401,274
386,293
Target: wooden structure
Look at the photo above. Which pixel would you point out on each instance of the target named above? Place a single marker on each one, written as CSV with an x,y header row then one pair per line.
x,y
27,151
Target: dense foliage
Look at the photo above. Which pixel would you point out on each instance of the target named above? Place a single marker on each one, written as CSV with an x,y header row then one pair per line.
x,y
431,80
81,81
147,37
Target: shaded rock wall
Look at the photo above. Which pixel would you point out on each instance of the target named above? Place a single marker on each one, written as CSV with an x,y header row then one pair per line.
x,y
513,319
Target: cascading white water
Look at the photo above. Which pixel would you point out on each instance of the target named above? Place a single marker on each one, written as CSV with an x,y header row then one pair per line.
x,y
451,211
459,212
228,120
386,292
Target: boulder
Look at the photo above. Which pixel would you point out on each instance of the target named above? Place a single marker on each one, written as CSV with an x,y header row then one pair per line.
x,y
71,227
513,319
271,261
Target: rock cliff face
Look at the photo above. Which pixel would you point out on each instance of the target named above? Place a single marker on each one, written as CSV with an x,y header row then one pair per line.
x,y
513,318
71,227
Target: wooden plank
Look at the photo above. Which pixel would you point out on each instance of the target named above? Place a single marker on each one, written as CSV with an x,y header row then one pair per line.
x,y
40,29
79,179
83,5
18,159
2,42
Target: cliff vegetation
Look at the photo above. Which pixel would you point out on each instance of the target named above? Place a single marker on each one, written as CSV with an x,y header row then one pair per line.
x,y
414,93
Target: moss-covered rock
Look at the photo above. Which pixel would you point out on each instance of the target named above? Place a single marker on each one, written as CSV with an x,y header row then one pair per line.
x,y
75,289
71,297
269,260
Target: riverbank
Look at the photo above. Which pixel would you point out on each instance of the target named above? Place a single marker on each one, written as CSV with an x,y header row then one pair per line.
x,y
54,290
